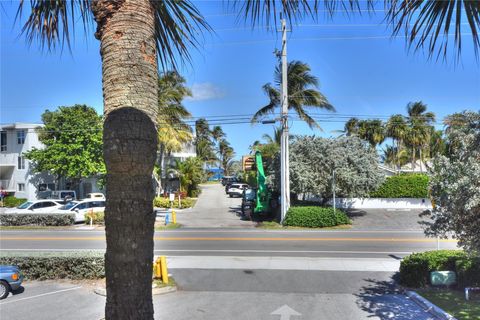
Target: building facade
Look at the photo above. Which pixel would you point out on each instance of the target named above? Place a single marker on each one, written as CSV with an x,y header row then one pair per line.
x,y
16,174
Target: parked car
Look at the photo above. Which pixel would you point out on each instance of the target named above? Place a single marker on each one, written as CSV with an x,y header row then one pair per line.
x,y
248,202
80,208
38,206
228,179
95,195
236,189
10,280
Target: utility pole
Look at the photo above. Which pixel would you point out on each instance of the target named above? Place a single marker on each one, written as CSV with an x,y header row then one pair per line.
x,y
285,167
333,189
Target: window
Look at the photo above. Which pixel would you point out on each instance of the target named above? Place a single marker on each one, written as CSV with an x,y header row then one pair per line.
x,y
3,140
21,187
21,136
47,204
21,162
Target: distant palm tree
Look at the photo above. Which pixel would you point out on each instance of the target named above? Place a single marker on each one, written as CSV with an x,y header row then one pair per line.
x,y
302,92
351,127
204,146
371,131
173,131
397,129
277,136
226,155
420,124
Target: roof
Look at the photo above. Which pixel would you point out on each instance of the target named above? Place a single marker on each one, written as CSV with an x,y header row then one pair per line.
x,y
20,125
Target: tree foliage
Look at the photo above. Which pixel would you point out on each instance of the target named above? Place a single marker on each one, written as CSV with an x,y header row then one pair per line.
x,y
73,143
455,184
190,173
312,160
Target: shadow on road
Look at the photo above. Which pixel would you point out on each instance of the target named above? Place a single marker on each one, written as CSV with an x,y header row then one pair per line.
x,y
383,299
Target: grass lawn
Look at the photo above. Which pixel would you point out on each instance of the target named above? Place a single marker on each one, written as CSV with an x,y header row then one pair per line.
x,y
170,226
453,302
272,225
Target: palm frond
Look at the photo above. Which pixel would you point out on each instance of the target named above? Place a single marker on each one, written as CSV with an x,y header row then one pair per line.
x,y
51,23
178,24
427,23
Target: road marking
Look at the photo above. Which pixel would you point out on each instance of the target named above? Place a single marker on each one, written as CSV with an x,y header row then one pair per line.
x,y
40,295
285,312
232,239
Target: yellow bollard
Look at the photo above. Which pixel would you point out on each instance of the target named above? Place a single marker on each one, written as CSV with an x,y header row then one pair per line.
x,y
157,270
174,216
163,265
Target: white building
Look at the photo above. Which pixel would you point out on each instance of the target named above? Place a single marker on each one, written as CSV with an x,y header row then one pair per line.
x,y
15,172
16,176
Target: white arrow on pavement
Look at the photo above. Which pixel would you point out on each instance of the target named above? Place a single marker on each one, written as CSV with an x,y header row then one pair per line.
x,y
285,312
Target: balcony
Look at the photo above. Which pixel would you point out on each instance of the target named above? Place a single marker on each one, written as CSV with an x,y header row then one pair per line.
x,y
7,185
8,159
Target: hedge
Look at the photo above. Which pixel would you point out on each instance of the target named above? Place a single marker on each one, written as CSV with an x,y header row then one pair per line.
x,y
36,219
98,217
162,202
415,269
403,186
12,202
315,217
57,265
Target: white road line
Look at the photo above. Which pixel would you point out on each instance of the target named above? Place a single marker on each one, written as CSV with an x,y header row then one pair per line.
x,y
40,295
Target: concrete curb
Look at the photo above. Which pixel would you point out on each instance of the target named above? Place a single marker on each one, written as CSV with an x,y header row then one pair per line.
x,y
428,306
155,291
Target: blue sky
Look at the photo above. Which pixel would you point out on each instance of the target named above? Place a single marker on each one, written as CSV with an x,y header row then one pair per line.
x,y
361,70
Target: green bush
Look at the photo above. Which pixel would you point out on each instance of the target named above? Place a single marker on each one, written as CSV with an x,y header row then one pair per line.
x,y
468,272
58,265
161,202
195,193
415,269
12,202
315,217
98,217
36,219
403,186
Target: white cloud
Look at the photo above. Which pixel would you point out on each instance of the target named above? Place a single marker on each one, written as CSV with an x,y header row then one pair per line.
x,y
205,91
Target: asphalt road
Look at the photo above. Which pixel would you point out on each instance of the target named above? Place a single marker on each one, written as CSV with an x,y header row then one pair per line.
x,y
240,242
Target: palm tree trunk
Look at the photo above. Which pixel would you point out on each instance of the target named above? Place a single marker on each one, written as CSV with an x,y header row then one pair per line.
x,y
413,158
126,30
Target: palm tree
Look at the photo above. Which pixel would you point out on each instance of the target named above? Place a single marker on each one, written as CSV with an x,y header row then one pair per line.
x,y
351,127
217,133
226,154
302,89
277,137
396,128
372,131
190,174
419,122
133,34
173,131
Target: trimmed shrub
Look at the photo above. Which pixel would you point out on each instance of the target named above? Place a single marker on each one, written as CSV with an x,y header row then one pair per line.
x,y
315,217
57,265
415,269
12,202
403,186
468,272
98,217
36,219
162,202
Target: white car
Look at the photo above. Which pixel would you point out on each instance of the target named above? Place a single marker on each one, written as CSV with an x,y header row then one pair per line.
x,y
95,195
80,208
38,206
236,189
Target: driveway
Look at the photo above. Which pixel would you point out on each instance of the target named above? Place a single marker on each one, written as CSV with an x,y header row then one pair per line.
x,y
386,219
214,209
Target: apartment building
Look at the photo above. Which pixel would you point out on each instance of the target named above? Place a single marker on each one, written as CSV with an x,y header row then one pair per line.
x,y
16,177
